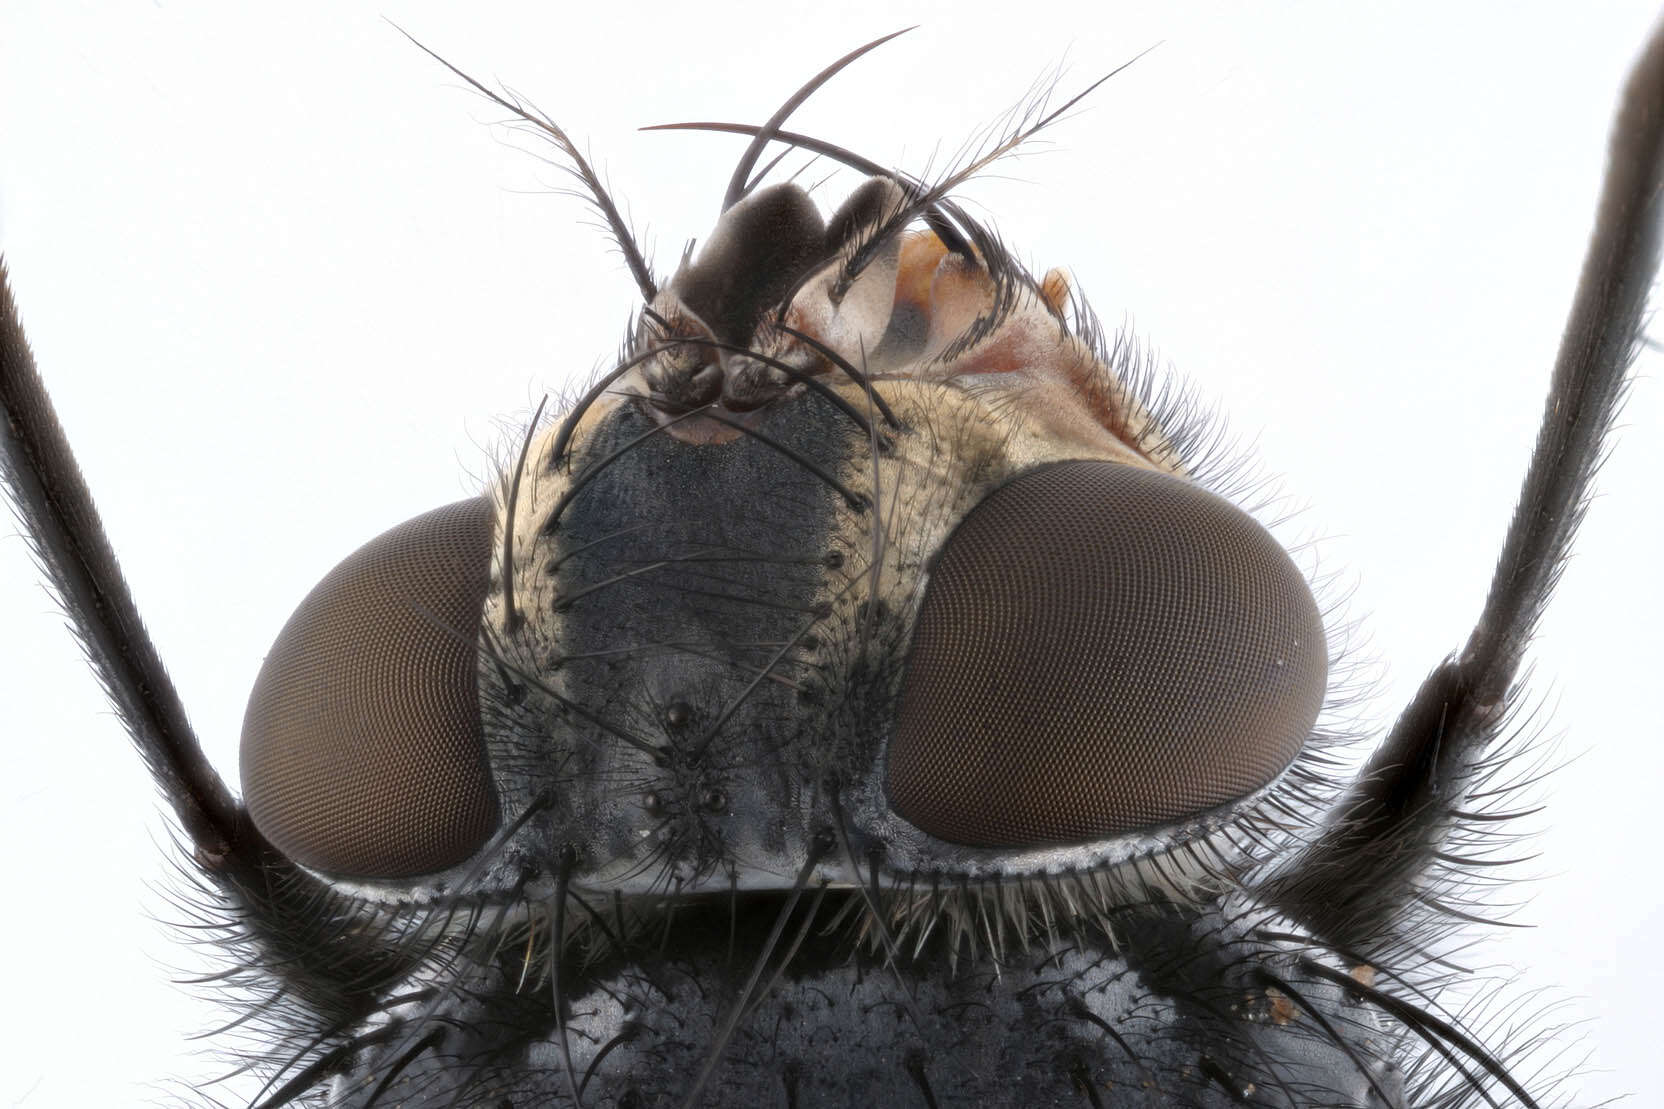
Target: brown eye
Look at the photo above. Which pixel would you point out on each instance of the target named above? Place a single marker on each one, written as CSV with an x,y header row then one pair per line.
x,y
1101,649
361,750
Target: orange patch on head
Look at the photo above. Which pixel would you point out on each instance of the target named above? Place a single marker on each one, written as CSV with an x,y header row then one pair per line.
x,y
1055,291
921,253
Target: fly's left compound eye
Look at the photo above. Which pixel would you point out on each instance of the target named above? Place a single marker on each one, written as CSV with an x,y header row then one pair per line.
x,y
361,749
1101,649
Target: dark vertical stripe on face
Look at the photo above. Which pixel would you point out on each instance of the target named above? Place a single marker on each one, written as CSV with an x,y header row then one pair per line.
x,y
681,575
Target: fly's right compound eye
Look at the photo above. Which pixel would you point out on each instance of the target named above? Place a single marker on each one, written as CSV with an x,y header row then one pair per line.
x,y
361,750
1101,649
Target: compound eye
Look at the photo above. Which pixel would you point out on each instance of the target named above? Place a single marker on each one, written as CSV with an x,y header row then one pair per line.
x,y
361,748
1101,649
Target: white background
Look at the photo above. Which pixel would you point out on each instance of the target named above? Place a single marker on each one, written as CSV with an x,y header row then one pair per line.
x,y
288,287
